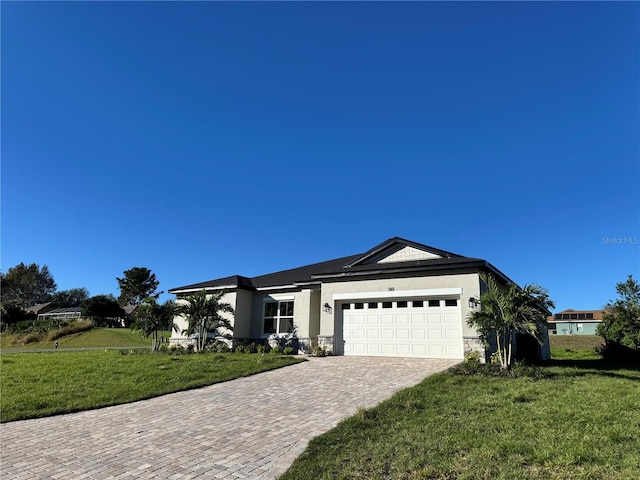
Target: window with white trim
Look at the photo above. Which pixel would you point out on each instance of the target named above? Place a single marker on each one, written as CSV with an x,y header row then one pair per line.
x,y
278,317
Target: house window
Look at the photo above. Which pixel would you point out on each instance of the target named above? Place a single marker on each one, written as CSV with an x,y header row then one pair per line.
x,y
558,316
387,304
565,316
417,304
574,316
581,316
402,304
346,306
373,305
452,302
589,316
434,303
359,306
278,317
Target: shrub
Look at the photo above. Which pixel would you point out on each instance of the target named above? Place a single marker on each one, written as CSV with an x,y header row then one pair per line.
x,y
218,347
319,351
288,351
172,350
276,350
262,349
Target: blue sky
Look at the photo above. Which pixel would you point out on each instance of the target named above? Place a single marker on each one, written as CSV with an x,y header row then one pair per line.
x,y
206,139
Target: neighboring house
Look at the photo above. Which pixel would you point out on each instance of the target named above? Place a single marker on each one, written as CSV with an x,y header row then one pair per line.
x,y
399,299
61,314
40,308
575,322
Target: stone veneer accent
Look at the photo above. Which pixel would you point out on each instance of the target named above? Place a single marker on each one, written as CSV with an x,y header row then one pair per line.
x,y
474,344
326,342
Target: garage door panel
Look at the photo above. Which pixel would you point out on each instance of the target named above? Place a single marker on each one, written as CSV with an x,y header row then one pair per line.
x,y
402,333
386,333
435,334
358,333
436,350
452,334
420,331
386,319
419,350
387,349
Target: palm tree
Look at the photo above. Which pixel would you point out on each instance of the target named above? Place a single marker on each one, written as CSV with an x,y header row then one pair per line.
x,y
508,310
204,314
151,317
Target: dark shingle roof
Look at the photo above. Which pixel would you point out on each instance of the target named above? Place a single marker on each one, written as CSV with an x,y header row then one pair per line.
x,y
348,266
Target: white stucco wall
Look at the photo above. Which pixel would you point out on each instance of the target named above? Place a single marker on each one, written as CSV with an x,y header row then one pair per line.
x,y
181,322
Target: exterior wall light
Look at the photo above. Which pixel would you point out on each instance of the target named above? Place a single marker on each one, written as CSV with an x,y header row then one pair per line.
x,y
327,308
474,302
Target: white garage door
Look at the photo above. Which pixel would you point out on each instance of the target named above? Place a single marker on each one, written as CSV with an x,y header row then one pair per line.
x,y
429,328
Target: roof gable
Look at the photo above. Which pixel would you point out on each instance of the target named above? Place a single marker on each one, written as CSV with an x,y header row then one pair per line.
x,y
398,250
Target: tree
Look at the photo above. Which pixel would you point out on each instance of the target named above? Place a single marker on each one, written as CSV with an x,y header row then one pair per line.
x,y
204,315
137,284
620,325
27,285
508,310
151,317
70,298
104,309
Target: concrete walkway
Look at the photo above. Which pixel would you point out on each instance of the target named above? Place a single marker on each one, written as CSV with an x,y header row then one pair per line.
x,y
251,427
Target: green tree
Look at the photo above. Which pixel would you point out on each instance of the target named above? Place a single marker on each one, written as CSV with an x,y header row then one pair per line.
x,y
620,325
104,309
137,284
151,317
70,298
11,313
27,285
508,310
205,314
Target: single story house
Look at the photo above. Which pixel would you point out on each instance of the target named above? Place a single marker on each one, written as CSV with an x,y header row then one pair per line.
x,y
61,314
575,322
398,299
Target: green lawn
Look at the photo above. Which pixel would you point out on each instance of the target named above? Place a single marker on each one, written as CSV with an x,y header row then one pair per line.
x,y
576,347
582,422
43,384
94,338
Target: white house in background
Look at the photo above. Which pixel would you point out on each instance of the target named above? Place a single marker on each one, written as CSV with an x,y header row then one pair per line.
x,y
399,299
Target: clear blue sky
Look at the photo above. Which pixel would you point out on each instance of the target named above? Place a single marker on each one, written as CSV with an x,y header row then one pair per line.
x,y
206,139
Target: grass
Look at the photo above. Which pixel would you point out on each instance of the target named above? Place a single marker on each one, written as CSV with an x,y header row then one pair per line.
x,y
575,347
581,422
43,384
94,338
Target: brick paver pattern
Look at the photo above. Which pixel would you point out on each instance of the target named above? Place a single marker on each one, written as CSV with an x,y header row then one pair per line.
x,y
252,427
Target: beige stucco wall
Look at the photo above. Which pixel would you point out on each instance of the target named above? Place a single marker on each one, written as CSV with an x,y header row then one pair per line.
x,y
242,317
305,311
331,323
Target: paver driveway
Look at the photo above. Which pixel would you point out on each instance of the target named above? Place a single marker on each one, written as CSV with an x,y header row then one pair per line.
x,y
251,427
